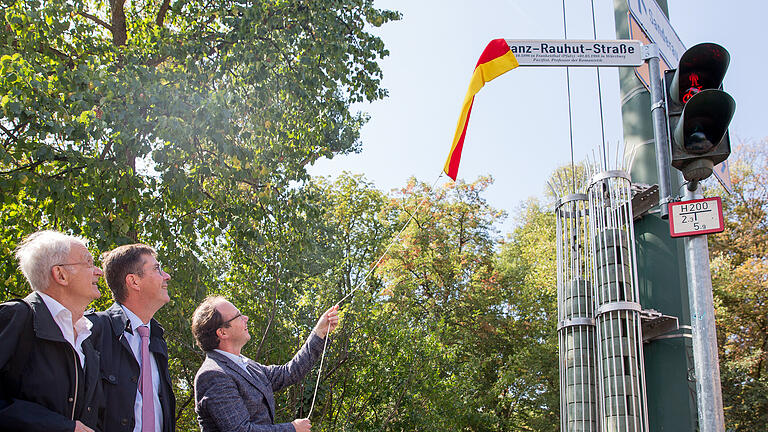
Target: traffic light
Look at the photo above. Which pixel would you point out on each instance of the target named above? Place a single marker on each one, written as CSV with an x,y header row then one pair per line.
x,y
699,110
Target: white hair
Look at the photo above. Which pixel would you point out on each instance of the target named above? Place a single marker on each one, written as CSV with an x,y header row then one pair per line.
x,y
42,250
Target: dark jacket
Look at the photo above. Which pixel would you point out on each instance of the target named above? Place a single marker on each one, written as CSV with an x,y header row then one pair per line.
x,y
120,371
38,392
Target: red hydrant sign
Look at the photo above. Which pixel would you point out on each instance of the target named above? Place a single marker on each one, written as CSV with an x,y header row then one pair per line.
x,y
695,217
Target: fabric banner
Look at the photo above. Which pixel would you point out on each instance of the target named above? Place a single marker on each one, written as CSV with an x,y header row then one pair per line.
x,y
495,60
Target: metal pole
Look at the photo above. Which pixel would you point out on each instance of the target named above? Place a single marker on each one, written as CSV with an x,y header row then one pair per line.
x,y
706,365
660,137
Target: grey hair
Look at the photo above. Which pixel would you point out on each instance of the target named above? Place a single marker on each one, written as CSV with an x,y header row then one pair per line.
x,y
42,250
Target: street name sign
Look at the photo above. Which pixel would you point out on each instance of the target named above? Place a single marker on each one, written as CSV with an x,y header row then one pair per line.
x,y
567,52
695,217
658,29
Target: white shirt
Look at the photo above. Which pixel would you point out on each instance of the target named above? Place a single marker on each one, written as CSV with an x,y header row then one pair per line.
x,y
134,340
239,360
63,318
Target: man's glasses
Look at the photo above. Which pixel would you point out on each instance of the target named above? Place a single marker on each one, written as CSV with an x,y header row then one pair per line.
x,y
85,263
158,268
226,323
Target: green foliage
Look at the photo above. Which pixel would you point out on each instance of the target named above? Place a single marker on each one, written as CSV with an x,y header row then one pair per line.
x,y
529,267
443,336
740,285
188,126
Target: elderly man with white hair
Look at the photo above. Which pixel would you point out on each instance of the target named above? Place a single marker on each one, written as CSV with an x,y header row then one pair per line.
x,y
49,370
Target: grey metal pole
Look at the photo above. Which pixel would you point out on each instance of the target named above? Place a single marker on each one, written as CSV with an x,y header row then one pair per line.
x,y
659,117
706,364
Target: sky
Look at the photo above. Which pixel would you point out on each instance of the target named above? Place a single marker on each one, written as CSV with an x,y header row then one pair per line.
x,y
519,129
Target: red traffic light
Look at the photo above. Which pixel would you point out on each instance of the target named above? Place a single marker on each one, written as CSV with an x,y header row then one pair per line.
x,y
702,66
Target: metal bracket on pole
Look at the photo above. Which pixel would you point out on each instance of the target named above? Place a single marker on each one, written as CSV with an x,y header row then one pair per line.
x,y
655,324
650,51
660,129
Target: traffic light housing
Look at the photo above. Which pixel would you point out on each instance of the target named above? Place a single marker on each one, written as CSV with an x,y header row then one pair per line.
x,y
699,111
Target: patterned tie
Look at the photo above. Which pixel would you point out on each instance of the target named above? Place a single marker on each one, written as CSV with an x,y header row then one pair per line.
x,y
145,386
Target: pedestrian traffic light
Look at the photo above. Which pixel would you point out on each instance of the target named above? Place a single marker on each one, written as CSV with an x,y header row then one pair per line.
x,y
699,111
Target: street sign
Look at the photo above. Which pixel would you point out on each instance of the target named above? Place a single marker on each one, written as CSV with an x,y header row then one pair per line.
x,y
723,174
695,217
658,29
576,52
636,33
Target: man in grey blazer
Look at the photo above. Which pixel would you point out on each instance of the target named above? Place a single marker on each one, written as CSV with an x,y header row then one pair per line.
x,y
234,393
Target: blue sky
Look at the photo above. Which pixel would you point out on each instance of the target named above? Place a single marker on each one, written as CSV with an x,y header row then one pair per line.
x,y
519,132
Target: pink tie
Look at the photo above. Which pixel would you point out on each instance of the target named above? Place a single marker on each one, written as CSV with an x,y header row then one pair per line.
x,y
145,387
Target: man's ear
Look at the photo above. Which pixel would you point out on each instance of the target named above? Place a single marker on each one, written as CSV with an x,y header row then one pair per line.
x,y
221,333
59,275
131,281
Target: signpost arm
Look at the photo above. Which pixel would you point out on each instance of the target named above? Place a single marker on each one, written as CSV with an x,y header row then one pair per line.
x,y
659,116
705,357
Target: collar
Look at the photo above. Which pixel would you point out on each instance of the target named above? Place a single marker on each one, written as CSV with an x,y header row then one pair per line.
x,y
240,360
47,326
54,307
133,321
119,320
42,319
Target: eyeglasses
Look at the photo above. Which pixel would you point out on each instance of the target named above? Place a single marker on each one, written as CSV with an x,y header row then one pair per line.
x,y
85,263
157,268
226,323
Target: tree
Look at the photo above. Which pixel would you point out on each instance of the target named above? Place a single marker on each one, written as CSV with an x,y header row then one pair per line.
x,y
184,125
740,285
528,265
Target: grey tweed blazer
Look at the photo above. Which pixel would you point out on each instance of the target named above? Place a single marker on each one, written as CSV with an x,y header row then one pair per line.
x,y
228,399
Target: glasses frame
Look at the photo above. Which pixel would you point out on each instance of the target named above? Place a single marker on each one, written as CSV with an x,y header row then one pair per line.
x,y
227,322
156,268
86,263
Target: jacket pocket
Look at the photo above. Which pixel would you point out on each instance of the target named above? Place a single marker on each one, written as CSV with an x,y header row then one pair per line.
x,y
109,378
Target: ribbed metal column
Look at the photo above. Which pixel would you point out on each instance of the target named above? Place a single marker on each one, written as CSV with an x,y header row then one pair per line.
x,y
575,310
620,374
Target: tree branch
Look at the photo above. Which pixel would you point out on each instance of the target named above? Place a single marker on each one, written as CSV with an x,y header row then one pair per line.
x,y
162,12
119,29
95,19
8,132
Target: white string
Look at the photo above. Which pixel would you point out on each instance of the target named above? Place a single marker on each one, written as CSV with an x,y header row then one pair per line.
x,y
373,268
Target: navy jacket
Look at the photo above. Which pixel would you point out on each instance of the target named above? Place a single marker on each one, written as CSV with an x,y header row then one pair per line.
x,y
120,370
47,390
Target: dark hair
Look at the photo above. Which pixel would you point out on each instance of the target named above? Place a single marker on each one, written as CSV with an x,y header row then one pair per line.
x,y
122,261
205,321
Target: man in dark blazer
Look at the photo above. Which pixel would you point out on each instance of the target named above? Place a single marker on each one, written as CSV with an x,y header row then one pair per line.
x,y
140,288
234,393
49,371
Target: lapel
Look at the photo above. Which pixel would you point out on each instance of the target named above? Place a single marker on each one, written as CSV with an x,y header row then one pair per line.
x,y
250,377
92,368
46,328
42,321
256,370
157,344
118,322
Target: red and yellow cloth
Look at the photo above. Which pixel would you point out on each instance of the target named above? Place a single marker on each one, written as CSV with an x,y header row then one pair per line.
x,y
495,60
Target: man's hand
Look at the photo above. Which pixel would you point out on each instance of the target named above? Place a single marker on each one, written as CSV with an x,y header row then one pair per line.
x,y
302,425
328,322
79,427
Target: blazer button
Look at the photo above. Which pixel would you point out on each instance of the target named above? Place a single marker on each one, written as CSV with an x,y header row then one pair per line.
x,y
124,422
71,400
112,378
135,379
89,409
